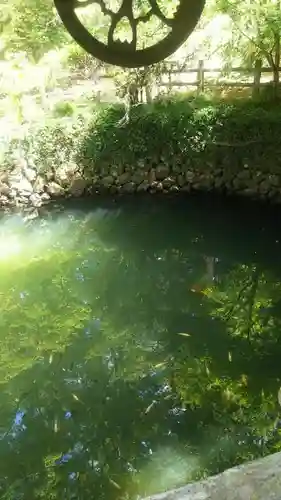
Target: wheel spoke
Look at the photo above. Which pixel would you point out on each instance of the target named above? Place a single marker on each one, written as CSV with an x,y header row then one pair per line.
x,y
126,54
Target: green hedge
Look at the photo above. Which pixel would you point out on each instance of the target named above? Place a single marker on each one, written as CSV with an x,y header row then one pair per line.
x,y
190,134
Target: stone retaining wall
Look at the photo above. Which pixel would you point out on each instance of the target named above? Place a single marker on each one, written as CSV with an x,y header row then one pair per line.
x,y
257,480
23,186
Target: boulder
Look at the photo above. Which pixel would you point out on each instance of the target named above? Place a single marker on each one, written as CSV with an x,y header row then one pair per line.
x,y
20,184
107,181
45,197
20,163
143,186
244,175
39,185
124,178
130,187
30,174
54,189
189,176
78,185
174,189
4,189
181,180
151,176
35,200
64,174
161,172
168,182
139,176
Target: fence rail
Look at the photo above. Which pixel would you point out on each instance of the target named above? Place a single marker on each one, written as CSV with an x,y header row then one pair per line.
x,y
206,78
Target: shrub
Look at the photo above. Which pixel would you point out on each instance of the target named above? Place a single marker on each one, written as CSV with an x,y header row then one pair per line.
x,y
63,108
185,134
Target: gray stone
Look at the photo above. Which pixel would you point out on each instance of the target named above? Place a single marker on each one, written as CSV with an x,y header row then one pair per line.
x,y
186,188
237,183
272,193
174,189
49,175
4,189
124,178
264,186
54,189
257,480
274,180
219,183
4,177
154,186
4,200
168,182
217,172
107,181
21,184
189,176
78,185
120,169
20,163
45,197
143,186
31,162
141,164
161,172
30,174
244,175
130,187
35,200
33,214
105,170
177,169
181,180
206,181
114,189
249,192
139,177
151,176
38,186
64,173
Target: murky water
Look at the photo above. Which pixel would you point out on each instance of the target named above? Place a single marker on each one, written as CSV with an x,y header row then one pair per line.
x,y
140,346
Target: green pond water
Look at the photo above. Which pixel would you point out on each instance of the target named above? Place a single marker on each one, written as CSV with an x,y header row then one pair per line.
x,y
140,346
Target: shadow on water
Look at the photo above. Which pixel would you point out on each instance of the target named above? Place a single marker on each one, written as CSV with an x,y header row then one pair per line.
x,y
139,345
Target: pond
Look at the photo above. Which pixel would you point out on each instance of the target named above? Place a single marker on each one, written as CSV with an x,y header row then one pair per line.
x,y
139,345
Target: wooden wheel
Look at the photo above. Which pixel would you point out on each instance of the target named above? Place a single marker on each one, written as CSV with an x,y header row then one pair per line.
x,y
126,54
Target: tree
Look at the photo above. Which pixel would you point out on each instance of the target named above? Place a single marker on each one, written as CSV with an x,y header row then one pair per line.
x,y
255,29
32,27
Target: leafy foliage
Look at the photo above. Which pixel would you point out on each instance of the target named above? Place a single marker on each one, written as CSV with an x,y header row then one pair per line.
x,y
32,27
185,133
255,28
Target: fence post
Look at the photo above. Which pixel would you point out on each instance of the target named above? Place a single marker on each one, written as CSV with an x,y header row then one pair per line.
x,y
170,86
257,78
200,77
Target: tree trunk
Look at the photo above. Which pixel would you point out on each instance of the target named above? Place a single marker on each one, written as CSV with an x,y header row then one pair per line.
x,y
276,62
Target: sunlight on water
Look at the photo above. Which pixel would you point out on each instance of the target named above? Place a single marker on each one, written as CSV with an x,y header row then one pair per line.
x,y
168,468
9,246
21,244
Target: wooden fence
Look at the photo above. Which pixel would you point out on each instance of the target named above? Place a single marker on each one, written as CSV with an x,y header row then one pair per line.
x,y
176,76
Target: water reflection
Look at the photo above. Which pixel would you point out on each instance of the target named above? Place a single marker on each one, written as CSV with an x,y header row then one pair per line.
x,y
140,347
